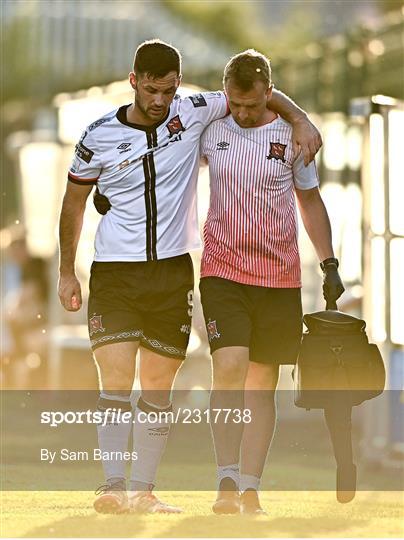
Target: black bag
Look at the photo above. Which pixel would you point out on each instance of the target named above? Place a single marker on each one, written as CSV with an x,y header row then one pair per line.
x,y
336,362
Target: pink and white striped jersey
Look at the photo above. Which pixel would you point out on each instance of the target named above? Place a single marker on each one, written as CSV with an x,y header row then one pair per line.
x,y
250,234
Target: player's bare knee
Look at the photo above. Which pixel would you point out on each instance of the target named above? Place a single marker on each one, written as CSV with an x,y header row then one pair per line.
x,y
229,373
116,381
157,372
158,381
262,377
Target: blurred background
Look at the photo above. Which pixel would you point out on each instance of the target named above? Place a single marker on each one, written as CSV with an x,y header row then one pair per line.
x,y
65,63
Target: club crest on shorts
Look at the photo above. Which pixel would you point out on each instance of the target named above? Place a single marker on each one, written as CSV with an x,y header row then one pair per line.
x,y
277,151
175,126
212,330
95,324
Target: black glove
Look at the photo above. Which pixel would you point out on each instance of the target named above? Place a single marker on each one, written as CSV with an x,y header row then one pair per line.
x,y
332,284
101,203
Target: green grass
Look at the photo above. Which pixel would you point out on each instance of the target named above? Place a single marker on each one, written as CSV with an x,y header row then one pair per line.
x,y
290,514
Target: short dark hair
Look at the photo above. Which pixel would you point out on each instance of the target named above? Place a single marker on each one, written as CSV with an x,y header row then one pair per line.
x,y
156,58
247,67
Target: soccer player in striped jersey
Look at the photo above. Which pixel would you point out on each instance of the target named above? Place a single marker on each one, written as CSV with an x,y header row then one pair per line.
x,y
144,159
250,270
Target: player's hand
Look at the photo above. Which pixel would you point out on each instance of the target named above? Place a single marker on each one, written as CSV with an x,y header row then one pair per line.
x,y
305,138
69,292
332,283
101,203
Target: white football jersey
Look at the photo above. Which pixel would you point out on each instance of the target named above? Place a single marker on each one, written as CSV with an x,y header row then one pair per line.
x,y
149,174
250,234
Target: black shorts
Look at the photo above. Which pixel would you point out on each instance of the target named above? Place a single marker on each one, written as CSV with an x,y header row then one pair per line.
x,y
266,320
150,302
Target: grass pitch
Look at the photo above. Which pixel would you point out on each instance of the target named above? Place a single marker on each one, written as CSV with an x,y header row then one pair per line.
x,y
290,514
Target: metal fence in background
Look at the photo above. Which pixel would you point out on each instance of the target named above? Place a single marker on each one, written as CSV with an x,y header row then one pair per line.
x,y
65,46
325,75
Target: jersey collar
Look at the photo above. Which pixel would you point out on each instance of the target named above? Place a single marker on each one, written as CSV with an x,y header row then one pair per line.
x,y
121,116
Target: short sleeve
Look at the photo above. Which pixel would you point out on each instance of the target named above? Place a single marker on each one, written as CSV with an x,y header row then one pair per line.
x,y
304,177
203,145
210,106
86,165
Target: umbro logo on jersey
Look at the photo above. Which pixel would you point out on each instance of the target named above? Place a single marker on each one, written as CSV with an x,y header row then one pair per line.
x,y
124,147
222,145
277,151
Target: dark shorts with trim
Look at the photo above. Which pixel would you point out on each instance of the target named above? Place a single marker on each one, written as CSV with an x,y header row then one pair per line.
x,y
266,320
150,302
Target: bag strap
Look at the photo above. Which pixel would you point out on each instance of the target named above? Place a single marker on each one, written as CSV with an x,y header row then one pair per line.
x,y
331,305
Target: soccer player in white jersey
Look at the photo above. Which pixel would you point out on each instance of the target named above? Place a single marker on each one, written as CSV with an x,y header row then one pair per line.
x,y
144,160
250,270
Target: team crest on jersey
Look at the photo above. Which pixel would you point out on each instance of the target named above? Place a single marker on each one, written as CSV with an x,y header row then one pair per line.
x,y
175,126
212,330
277,151
95,324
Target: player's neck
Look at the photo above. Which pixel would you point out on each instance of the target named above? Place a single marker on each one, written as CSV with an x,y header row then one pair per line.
x,y
268,117
135,116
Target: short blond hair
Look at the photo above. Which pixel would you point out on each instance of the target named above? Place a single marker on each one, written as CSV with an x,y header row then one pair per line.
x,y
247,67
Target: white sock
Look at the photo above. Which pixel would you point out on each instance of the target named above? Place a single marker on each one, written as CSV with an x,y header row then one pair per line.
x,y
247,481
149,442
124,396
228,471
114,436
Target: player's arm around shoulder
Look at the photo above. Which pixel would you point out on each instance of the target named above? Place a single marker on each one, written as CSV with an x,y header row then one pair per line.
x,y
306,138
206,107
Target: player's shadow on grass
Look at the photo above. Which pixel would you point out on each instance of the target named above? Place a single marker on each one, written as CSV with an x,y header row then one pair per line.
x,y
260,527
133,526
103,526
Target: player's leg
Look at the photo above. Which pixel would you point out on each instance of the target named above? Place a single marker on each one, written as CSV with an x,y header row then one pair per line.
x,y
228,325
259,399
116,367
229,370
230,366
276,336
157,375
151,429
115,330
167,316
